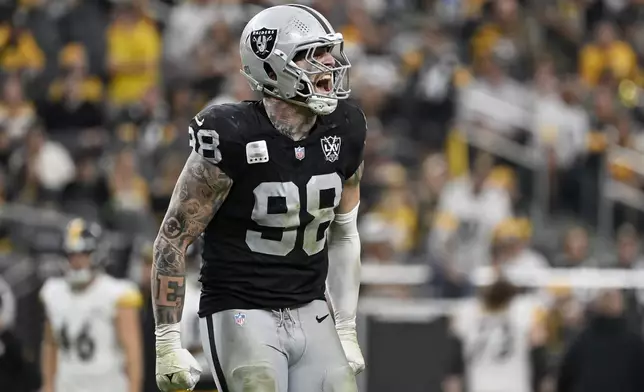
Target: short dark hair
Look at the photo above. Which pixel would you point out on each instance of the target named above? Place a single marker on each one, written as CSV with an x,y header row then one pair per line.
x,y
499,294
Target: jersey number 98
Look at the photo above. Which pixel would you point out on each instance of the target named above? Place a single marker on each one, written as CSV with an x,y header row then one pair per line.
x,y
278,205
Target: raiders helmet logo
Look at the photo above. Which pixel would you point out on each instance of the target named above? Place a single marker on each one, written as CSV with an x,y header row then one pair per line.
x,y
262,42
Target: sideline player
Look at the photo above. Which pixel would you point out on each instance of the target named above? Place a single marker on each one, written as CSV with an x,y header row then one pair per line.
x,y
266,181
498,342
92,339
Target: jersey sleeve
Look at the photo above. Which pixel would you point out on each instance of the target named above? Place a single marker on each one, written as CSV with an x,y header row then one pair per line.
x,y
457,320
357,142
46,292
128,296
214,135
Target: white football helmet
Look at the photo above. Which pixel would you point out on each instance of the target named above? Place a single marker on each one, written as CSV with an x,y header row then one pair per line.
x,y
81,237
276,38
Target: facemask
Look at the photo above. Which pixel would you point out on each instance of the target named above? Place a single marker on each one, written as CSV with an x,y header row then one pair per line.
x,y
77,277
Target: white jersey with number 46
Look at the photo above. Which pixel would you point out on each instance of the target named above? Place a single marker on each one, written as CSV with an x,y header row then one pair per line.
x,y
496,346
83,323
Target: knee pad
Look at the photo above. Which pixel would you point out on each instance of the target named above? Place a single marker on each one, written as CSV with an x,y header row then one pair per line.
x,y
254,378
340,379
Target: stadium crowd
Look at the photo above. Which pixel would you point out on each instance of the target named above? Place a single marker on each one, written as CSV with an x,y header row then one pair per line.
x,y
504,132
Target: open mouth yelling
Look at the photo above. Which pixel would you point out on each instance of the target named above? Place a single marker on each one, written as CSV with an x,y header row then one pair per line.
x,y
324,84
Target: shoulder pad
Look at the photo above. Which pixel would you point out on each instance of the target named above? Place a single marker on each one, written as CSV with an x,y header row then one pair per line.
x,y
128,295
50,288
216,133
353,118
349,114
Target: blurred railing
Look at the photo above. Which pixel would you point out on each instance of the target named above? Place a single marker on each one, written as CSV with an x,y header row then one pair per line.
x,y
615,192
403,339
39,232
477,107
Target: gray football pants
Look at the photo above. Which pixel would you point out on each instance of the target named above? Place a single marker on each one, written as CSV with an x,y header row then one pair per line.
x,y
290,350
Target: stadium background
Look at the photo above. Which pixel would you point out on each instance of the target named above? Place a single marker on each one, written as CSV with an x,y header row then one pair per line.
x,y
538,100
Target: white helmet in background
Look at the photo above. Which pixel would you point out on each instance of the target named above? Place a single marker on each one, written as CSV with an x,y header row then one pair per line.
x,y
279,36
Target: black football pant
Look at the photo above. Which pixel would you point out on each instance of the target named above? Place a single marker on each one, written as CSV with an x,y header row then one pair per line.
x,y
289,350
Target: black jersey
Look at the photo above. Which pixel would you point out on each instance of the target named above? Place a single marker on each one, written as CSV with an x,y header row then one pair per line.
x,y
266,246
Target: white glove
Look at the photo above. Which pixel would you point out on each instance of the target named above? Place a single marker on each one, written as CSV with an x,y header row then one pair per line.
x,y
177,369
349,340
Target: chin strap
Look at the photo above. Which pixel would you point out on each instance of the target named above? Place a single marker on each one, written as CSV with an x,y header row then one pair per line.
x,y
321,105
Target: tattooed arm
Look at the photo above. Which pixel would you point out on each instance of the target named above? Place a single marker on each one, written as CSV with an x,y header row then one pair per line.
x,y
343,279
200,191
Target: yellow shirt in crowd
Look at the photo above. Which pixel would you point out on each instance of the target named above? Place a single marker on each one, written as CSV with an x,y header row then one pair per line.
x,y
133,45
619,58
91,89
24,54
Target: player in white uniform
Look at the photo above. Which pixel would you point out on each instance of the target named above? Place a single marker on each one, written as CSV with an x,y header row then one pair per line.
x,y
92,338
498,342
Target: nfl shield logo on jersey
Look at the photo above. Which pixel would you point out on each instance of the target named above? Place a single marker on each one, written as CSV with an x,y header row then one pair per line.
x,y
331,147
299,153
240,319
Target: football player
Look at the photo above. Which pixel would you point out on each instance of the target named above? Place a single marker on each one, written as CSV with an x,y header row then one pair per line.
x,y
498,342
274,186
92,339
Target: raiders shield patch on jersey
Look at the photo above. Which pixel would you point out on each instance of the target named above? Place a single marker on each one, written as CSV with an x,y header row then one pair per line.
x,y
331,147
262,42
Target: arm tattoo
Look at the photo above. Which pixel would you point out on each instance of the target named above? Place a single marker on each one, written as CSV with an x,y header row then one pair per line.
x,y
200,191
354,180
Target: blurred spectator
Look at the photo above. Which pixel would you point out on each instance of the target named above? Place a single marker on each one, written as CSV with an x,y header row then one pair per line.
x,y
565,25
19,52
396,206
88,194
75,96
379,248
214,59
187,27
235,89
606,54
475,210
134,51
510,36
560,123
128,189
183,105
560,128
73,111
629,256
511,247
31,168
606,356
163,185
576,251
494,101
140,272
628,248
145,127
433,177
16,112
630,20
73,62
74,101
5,148
17,373
432,72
